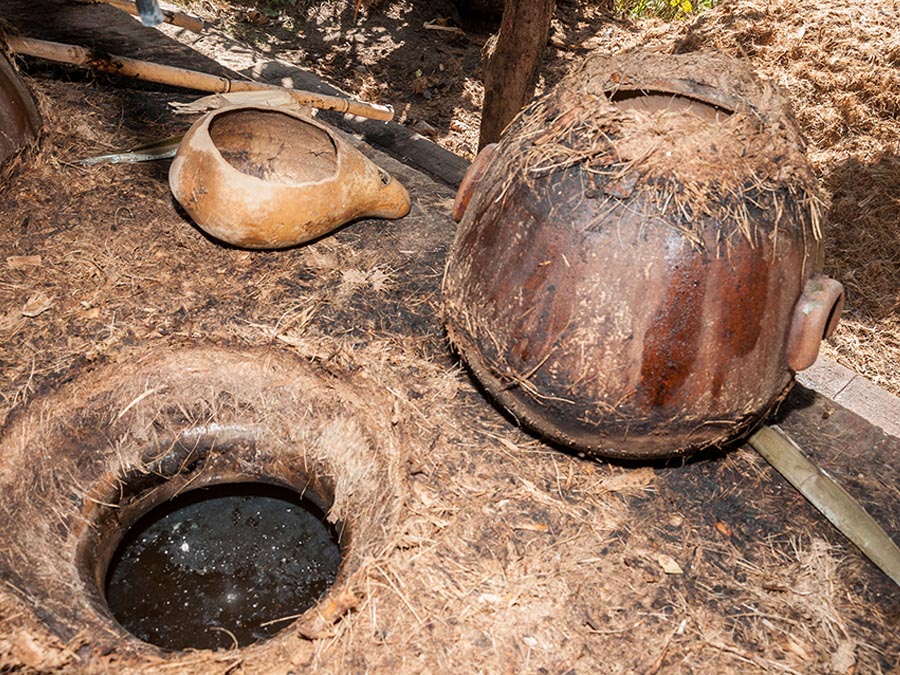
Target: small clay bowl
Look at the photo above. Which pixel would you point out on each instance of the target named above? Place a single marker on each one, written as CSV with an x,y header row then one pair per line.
x,y
262,177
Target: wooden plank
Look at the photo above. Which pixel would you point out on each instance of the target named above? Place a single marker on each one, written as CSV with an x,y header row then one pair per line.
x,y
826,377
872,403
855,393
104,28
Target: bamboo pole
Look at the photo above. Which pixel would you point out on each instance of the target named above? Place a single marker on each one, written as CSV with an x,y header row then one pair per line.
x,y
175,18
844,512
183,77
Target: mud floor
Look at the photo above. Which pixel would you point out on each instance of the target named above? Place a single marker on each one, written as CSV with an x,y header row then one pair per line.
x,y
476,547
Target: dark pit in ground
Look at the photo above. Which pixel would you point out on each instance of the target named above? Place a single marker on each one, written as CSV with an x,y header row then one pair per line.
x,y
221,565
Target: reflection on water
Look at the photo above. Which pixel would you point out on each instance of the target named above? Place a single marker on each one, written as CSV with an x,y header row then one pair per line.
x,y
226,558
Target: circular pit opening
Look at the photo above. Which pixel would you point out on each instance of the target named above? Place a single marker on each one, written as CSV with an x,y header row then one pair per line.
x,y
221,566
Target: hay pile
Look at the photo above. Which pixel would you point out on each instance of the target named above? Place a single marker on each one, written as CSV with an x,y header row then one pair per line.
x,y
838,63
836,59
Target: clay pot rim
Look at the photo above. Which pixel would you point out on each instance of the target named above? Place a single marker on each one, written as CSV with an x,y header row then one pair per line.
x,y
203,128
284,447
723,101
650,73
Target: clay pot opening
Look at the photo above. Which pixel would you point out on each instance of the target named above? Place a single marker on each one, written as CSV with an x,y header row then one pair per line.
x,y
651,101
274,146
82,465
210,557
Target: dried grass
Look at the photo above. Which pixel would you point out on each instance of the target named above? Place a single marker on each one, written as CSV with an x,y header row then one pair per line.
x,y
838,63
686,171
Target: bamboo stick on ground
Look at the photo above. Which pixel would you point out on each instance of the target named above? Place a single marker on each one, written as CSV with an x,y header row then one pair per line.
x,y
183,77
823,492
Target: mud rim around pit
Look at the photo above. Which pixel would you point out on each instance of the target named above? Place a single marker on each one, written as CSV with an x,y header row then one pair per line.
x,y
80,466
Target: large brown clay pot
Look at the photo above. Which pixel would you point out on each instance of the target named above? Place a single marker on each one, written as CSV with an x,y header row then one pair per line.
x,y
627,274
20,120
262,177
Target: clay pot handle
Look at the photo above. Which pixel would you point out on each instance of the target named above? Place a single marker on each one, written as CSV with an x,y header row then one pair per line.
x,y
816,316
470,181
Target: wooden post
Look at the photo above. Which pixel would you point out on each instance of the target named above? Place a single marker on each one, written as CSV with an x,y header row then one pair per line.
x,y
512,63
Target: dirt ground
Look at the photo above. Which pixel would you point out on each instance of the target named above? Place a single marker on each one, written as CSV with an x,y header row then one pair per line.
x,y
479,548
837,60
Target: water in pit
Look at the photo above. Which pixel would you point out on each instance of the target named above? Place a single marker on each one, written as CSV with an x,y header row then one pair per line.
x,y
221,561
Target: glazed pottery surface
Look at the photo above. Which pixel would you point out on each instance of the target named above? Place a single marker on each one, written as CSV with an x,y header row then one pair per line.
x,y
630,305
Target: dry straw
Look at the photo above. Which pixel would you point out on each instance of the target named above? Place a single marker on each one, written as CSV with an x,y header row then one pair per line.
x,y
750,179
